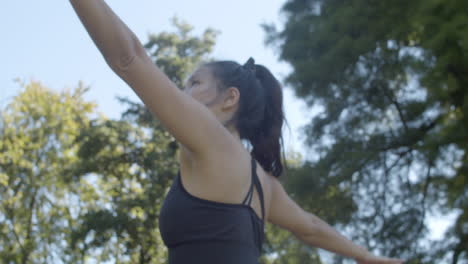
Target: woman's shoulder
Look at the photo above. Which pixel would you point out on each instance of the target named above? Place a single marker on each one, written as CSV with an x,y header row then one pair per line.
x,y
225,177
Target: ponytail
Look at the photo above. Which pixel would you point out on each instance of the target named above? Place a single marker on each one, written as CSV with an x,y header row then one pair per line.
x,y
259,118
267,144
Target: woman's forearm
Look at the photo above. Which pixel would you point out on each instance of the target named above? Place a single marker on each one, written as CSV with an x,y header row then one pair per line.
x,y
117,43
327,238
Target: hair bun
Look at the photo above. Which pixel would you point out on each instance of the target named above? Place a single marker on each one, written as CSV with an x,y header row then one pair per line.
x,y
250,65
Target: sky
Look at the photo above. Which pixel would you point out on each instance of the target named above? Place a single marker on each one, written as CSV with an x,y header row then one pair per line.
x,y
44,41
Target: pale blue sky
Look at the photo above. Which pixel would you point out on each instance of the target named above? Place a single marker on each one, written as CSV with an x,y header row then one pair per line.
x,y
44,41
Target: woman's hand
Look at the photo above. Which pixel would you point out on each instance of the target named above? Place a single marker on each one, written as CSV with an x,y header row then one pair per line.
x,y
370,259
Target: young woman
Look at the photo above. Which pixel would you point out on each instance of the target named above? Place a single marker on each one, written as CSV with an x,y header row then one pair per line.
x,y
217,205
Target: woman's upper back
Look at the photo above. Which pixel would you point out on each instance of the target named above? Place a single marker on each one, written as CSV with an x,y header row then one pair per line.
x,y
198,226
225,178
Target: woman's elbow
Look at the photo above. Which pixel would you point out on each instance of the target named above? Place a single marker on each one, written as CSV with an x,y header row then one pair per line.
x,y
125,57
121,63
313,231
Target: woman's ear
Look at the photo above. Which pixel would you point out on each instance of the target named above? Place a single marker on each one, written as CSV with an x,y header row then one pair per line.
x,y
231,98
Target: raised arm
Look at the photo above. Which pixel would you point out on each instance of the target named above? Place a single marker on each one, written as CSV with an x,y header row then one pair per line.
x,y
308,228
191,123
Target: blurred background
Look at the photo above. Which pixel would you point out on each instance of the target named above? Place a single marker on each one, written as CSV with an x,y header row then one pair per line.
x,y
376,99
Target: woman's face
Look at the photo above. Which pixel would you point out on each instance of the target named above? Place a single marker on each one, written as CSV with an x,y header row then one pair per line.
x,y
202,86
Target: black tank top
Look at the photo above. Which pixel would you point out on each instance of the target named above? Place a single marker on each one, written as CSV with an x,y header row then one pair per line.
x,y
196,230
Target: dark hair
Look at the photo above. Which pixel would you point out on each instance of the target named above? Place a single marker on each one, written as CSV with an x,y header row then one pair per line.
x,y
259,118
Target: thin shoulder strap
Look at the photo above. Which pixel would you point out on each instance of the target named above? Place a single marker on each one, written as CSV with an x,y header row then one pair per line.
x,y
258,185
249,195
252,181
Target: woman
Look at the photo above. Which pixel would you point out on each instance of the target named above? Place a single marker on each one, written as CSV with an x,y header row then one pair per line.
x,y
217,205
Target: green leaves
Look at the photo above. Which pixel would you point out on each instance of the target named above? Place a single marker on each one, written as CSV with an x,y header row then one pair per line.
x,y
391,79
37,145
179,53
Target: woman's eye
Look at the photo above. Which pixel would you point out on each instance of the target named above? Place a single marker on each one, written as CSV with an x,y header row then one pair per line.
x,y
195,83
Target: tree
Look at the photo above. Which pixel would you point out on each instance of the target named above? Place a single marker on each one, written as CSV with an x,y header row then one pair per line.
x,y
37,133
178,54
390,79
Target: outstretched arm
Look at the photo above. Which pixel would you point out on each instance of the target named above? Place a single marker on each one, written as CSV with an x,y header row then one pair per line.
x,y
190,122
310,229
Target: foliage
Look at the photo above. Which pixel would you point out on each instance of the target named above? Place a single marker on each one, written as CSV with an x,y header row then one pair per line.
x,y
37,146
179,53
390,78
